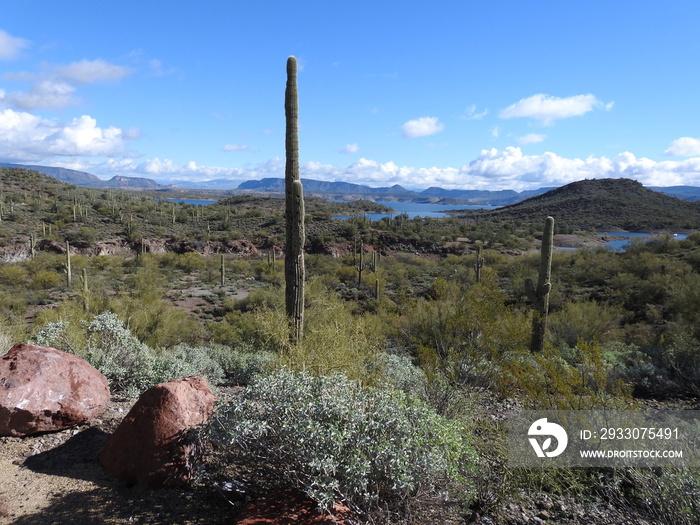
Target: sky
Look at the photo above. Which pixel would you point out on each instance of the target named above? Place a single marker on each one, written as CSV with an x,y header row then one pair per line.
x,y
461,94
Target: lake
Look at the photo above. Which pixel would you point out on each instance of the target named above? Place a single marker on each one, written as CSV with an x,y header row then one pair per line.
x,y
415,209
620,244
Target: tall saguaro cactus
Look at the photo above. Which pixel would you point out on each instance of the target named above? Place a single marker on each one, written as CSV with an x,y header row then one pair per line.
x,y
479,264
67,266
540,295
294,271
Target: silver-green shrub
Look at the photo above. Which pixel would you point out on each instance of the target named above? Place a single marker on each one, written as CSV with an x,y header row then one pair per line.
x,y
398,371
336,440
129,365
241,364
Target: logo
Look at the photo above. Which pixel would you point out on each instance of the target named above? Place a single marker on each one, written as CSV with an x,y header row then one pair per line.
x,y
542,427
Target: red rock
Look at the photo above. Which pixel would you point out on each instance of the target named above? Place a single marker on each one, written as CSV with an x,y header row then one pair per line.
x,y
292,507
43,389
150,445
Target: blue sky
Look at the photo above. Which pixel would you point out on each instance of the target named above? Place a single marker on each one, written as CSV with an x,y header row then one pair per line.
x,y
506,94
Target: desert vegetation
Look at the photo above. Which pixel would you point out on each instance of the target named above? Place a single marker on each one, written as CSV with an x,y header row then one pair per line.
x,y
395,399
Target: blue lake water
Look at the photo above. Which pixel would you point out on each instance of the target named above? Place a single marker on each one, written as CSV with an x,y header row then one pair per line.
x,y
414,209
620,245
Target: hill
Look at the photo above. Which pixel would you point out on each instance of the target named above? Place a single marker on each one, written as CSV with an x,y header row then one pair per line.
x,y
87,180
604,204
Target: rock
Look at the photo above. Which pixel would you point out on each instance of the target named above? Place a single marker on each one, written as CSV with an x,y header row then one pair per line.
x,y
43,389
290,505
151,446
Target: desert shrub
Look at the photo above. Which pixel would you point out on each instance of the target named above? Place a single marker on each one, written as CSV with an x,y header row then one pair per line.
x,y
462,331
240,365
44,279
12,304
562,378
185,360
398,371
336,440
13,275
129,365
8,336
675,493
335,340
584,320
664,371
190,262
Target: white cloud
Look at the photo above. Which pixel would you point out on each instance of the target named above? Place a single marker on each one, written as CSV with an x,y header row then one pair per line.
x,y
421,127
44,94
471,113
511,169
493,169
684,147
56,86
26,137
91,71
350,148
531,138
11,46
495,132
236,147
547,108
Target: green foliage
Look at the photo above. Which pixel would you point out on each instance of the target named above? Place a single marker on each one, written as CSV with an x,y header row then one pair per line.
x,y
129,365
336,440
463,330
335,340
398,371
45,279
585,321
567,378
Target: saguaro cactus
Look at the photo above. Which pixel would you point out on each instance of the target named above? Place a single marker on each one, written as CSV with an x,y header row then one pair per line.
x,y
67,267
361,266
294,271
479,264
540,295
222,271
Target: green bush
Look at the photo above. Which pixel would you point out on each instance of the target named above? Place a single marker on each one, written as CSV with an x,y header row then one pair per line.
x,y
240,365
336,440
46,279
129,365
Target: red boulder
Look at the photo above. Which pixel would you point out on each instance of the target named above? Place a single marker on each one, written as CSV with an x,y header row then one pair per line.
x,y
43,389
150,445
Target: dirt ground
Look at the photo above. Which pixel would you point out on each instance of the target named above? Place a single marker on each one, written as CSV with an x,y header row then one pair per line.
x,y
55,478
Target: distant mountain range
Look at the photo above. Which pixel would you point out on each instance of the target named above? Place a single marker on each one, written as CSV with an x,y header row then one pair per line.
x,y
81,178
329,190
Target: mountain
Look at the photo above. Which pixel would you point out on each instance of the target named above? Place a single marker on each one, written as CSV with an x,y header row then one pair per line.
x,y
603,204
119,181
689,193
77,178
333,190
484,197
318,186
340,191
81,178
